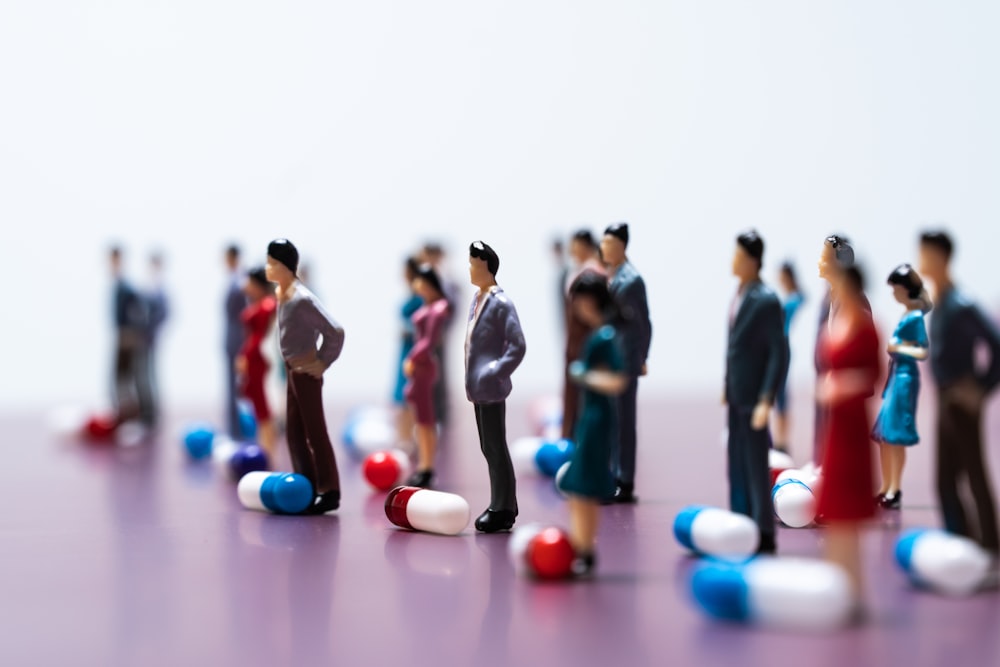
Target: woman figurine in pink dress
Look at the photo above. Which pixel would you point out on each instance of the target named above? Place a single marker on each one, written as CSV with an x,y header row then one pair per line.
x,y
421,367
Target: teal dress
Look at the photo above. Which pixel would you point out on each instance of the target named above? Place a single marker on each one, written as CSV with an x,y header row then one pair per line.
x,y
589,473
411,306
896,423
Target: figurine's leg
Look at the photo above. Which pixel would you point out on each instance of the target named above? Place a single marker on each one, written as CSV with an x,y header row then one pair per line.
x,y
759,478
976,469
949,443
739,488
309,392
232,412
627,433
295,433
819,433
144,386
491,418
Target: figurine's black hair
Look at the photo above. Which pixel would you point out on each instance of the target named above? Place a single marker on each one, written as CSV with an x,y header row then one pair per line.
x,y
286,253
233,250
585,237
480,250
843,251
259,276
940,240
904,276
427,273
412,267
788,269
595,286
753,244
620,231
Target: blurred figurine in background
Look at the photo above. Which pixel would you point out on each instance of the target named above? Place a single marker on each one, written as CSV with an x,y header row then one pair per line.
x,y
302,321
756,362
896,423
494,348
600,374
251,364
958,328
629,292
850,350
837,253
131,392
157,311
793,301
233,306
433,254
558,249
586,261
421,367
404,416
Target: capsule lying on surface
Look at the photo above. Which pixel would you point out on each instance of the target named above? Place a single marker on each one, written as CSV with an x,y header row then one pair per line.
x,y
278,492
429,511
941,561
710,531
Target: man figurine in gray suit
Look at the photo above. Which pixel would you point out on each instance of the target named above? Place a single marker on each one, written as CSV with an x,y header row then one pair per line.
x,y
629,292
494,347
235,302
755,365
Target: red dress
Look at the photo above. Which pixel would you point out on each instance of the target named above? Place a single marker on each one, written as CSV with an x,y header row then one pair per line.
x,y
257,319
428,323
846,486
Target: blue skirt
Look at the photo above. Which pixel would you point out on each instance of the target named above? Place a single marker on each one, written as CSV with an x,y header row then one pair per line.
x,y
896,423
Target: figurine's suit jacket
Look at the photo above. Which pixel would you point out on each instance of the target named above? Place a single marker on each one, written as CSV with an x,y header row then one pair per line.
x,y
494,348
629,292
758,351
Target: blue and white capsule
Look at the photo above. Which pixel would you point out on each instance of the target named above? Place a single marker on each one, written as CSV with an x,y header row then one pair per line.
x,y
277,492
778,593
710,531
943,562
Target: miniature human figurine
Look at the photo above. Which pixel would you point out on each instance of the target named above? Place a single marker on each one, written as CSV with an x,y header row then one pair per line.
x,y
494,347
850,349
157,311
629,292
586,261
756,361
404,416
251,365
837,253
599,372
234,304
793,301
421,367
131,393
302,321
958,327
433,254
896,423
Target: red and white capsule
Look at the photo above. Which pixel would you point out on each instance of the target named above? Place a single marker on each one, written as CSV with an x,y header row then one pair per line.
x,y
414,508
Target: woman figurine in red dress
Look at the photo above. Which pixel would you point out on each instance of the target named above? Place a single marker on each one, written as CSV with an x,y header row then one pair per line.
x,y
851,350
251,364
421,367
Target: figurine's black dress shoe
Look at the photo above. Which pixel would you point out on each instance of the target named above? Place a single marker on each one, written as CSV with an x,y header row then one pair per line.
x,y
767,545
494,521
421,478
324,502
893,502
583,565
624,495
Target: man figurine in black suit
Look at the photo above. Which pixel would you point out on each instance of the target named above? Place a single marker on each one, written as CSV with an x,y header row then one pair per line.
x,y
635,332
234,304
755,365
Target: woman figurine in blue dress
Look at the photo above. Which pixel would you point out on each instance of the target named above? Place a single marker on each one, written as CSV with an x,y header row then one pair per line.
x,y
896,426
600,374
790,305
404,419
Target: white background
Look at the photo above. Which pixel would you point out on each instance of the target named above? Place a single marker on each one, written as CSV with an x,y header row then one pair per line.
x,y
359,129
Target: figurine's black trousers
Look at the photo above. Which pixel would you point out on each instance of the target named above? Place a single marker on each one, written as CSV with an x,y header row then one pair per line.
x,y
960,460
623,453
491,420
749,478
308,440
132,392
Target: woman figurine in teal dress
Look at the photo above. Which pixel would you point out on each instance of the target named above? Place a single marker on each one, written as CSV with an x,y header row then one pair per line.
x,y
896,425
600,374
404,423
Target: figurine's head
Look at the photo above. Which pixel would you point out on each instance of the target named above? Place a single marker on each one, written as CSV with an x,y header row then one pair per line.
x,y
614,243
156,262
257,286
427,283
591,300
483,264
282,261
582,246
788,278
749,255
233,257
410,270
936,248
908,288
115,260
837,253
432,253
